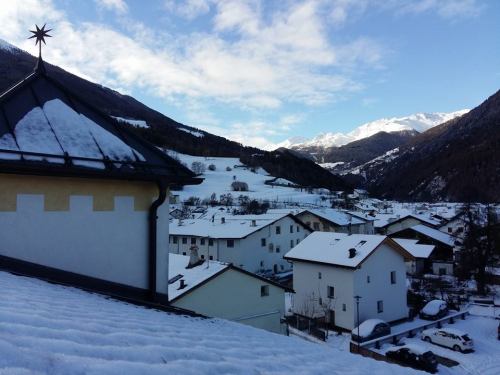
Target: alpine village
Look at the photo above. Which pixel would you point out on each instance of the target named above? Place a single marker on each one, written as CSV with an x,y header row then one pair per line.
x,y
131,243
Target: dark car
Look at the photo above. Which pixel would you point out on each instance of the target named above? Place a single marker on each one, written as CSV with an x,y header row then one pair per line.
x,y
370,329
434,310
414,356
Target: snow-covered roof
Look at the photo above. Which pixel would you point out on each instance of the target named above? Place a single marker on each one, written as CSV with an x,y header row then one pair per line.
x,y
414,248
192,276
52,329
335,216
383,220
334,248
46,126
435,234
224,226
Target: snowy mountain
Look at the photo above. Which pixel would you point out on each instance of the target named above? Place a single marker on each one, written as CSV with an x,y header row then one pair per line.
x,y
419,122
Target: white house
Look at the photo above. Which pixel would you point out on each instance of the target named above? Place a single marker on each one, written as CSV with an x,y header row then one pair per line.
x,y
220,290
83,200
420,253
331,220
330,269
255,243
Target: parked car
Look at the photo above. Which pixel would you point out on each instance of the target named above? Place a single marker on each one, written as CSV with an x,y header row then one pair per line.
x,y
434,309
370,329
414,356
450,338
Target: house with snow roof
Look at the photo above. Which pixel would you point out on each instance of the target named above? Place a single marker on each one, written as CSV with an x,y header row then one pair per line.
x,y
441,259
83,201
388,224
331,220
330,269
421,253
221,290
255,243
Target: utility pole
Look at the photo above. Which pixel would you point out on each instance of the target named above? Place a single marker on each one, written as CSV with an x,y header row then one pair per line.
x,y
357,298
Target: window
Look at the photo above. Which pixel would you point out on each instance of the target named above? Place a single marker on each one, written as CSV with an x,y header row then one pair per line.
x,y
344,307
184,240
320,301
262,263
368,279
297,242
316,226
450,229
291,243
174,239
278,230
331,292
193,241
230,243
183,253
263,242
202,256
291,228
298,228
278,249
202,241
319,275
211,257
210,242
393,277
264,290
380,306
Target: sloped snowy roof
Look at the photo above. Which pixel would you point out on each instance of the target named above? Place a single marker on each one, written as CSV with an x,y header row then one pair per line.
x,y
51,329
335,216
333,248
43,125
435,234
234,226
414,248
192,276
382,220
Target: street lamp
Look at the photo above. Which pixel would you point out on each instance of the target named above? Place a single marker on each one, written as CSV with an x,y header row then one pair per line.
x,y
357,298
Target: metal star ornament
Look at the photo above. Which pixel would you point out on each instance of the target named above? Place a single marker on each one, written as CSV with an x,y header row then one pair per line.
x,y
40,34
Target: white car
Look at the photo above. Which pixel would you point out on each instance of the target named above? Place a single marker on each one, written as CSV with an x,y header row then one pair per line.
x,y
450,338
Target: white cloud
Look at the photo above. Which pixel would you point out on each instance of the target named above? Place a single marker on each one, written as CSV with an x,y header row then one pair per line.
x,y
188,9
118,6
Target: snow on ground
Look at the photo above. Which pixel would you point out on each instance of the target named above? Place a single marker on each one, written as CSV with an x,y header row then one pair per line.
x,y
133,122
193,132
219,182
51,329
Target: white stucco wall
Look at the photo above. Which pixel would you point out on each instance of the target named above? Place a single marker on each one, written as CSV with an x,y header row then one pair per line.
x,y
309,288
379,266
236,296
109,245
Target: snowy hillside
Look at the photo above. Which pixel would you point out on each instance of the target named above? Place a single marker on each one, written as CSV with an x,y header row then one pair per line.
x,y
50,329
228,170
419,122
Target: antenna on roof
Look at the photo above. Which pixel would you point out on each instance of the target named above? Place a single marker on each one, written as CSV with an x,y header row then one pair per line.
x,y
40,34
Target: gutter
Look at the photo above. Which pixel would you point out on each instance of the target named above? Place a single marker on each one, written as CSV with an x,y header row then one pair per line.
x,y
152,246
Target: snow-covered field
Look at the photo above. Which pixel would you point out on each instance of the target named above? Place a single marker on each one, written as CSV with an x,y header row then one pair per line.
x,y
219,182
51,329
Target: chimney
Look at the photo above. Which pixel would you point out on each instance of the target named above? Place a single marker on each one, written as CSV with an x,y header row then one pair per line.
x,y
223,220
194,260
182,284
352,253
254,223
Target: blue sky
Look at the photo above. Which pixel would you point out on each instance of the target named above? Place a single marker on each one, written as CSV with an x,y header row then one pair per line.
x,y
260,72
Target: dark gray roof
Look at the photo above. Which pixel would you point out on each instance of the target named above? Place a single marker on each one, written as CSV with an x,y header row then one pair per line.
x,y
47,129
